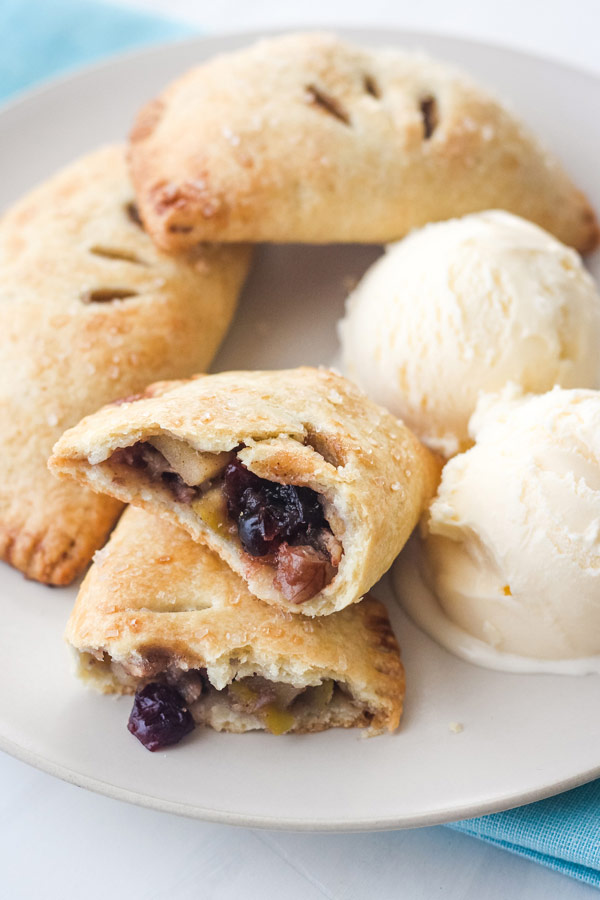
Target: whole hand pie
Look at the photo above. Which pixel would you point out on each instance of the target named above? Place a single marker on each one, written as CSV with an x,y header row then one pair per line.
x,y
89,311
295,478
162,613
308,138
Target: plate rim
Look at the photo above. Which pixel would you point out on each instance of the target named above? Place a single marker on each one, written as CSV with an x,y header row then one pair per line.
x,y
282,823
70,775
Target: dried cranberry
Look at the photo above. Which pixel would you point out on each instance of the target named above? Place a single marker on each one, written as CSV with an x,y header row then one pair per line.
x,y
236,479
268,513
255,530
159,716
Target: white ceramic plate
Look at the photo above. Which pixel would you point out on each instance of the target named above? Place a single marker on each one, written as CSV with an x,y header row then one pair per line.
x,y
524,737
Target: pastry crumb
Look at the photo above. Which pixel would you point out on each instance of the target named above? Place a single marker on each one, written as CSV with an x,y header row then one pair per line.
x,y
456,727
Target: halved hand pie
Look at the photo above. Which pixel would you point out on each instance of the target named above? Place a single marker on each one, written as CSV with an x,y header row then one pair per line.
x,y
295,478
89,311
162,615
308,138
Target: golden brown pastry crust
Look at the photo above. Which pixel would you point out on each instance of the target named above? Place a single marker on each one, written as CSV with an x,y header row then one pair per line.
x,y
301,426
154,598
308,138
64,353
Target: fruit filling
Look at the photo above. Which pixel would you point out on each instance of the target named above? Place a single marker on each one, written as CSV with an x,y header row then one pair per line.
x,y
286,524
159,716
283,525
164,712
144,456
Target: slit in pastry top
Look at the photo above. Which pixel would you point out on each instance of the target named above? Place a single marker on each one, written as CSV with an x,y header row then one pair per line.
x,y
326,142
299,482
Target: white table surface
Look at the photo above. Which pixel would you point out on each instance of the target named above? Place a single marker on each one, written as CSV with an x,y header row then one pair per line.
x,y
58,841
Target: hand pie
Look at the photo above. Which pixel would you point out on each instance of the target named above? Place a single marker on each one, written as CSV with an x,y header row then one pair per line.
x,y
161,612
295,478
89,311
308,138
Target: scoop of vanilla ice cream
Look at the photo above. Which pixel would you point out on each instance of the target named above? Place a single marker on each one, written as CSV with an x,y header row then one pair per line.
x,y
465,306
511,545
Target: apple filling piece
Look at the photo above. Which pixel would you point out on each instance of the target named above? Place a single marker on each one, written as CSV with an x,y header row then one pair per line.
x,y
283,525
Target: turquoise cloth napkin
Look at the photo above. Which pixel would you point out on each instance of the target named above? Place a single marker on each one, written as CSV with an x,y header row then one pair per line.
x,y
562,832
41,38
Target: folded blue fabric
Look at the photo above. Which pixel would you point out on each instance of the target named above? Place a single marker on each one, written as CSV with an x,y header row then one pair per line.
x,y
562,832
41,38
